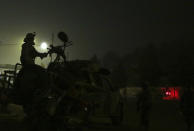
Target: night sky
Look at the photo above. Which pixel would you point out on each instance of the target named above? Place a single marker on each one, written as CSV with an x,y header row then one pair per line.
x,y
94,26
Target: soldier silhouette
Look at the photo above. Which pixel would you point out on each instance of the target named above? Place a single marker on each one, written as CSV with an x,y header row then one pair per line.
x,y
187,106
27,58
29,53
31,84
144,105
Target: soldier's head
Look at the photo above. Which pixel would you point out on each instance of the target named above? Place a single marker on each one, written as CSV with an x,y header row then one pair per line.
x,y
30,38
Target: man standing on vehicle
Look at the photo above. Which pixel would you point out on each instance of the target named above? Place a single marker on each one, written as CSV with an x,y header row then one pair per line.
x,y
31,85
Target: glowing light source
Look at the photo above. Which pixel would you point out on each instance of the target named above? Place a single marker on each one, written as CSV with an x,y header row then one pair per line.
x,y
170,93
43,46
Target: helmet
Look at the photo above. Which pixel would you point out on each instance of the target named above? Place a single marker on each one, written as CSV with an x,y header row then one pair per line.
x,y
30,37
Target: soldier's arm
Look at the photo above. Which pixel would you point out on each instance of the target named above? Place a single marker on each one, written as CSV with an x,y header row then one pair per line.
x,y
38,54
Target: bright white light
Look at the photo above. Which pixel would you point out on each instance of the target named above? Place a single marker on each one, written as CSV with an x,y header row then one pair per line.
x,y
43,46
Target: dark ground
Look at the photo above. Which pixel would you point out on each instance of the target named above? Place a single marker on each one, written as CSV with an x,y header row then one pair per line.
x,y
164,117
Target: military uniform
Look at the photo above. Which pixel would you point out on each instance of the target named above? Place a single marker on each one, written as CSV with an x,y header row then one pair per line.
x,y
31,85
29,53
